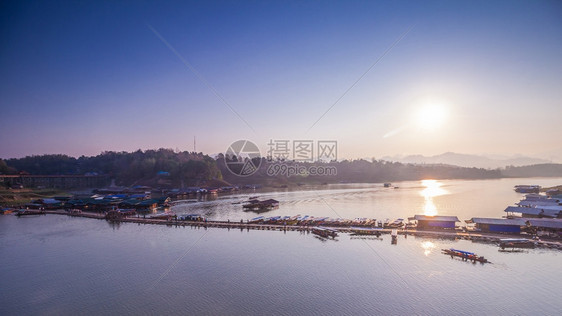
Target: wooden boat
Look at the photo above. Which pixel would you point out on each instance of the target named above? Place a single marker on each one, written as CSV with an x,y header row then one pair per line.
x,y
465,255
325,232
257,219
7,211
257,205
165,216
118,214
384,223
292,220
192,217
362,231
272,220
24,212
396,224
511,250
394,235
516,243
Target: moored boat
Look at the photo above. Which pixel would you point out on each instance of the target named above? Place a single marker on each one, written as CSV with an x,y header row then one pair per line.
x,y
516,243
192,217
258,219
7,211
465,255
365,231
165,216
24,212
396,224
394,235
325,232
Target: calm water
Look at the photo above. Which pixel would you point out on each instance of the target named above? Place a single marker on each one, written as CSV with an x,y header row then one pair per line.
x,y
465,199
57,265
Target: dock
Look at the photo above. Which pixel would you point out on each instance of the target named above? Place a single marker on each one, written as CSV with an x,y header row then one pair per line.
x,y
245,225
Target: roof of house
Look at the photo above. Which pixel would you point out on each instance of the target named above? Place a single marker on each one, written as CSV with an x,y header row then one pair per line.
x,y
546,223
552,207
537,203
436,218
523,210
552,212
498,221
50,201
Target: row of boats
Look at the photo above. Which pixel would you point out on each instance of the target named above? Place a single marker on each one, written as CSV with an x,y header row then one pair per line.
x,y
327,221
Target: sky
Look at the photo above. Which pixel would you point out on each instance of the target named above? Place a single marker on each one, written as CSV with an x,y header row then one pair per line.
x,y
381,78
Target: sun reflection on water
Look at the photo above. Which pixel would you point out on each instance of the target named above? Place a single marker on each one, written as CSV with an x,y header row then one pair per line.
x,y
427,246
431,190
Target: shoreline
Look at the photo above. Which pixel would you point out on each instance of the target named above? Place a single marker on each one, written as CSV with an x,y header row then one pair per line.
x,y
473,236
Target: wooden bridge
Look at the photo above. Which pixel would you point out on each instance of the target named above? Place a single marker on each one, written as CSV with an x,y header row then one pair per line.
x,y
481,237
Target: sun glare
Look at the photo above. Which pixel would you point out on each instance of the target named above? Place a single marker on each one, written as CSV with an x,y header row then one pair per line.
x,y
427,246
432,188
431,116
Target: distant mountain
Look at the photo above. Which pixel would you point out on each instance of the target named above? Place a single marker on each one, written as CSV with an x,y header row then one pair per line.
x,y
466,160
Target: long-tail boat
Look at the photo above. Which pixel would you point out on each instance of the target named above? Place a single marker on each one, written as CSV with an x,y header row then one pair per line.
x,y
465,255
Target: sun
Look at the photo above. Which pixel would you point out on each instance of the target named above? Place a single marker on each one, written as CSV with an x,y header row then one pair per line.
x,y
431,116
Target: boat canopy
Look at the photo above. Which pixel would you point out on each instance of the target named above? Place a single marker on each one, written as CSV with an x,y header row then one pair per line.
x,y
462,251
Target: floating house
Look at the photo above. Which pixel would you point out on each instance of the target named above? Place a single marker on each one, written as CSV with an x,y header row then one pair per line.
x,y
546,226
436,222
498,225
534,212
49,204
538,200
527,188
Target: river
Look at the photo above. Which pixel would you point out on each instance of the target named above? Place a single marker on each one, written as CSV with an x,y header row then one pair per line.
x,y
59,265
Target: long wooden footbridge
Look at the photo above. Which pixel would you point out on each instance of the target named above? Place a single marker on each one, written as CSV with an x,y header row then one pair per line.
x,y
245,225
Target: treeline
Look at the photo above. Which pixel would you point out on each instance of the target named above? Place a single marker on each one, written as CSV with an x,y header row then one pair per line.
x,y
5,169
540,170
356,171
165,168
150,167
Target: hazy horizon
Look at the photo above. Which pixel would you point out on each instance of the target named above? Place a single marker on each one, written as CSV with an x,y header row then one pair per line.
x,y
380,78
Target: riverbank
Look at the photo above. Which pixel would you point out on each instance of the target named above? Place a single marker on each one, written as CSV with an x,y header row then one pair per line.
x,y
472,236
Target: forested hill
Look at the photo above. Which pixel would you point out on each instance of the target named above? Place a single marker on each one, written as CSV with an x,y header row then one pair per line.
x,y
358,171
150,167
540,170
167,168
